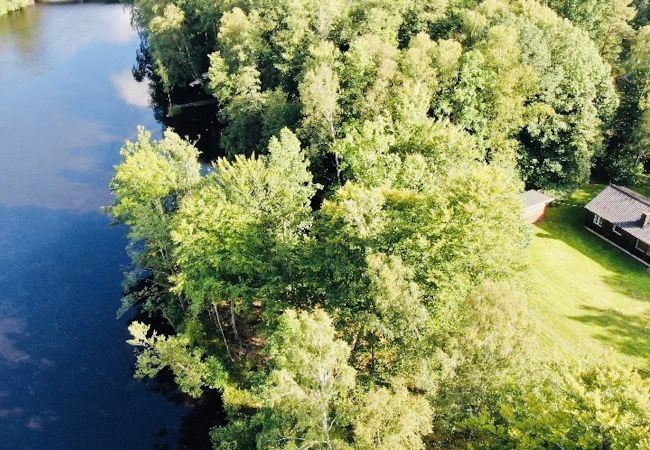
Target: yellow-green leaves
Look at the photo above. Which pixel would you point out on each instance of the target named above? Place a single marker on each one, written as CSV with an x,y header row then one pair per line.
x,y
304,347
357,212
606,21
234,236
239,36
171,20
579,407
319,92
149,173
146,183
310,399
389,419
348,315
308,385
192,371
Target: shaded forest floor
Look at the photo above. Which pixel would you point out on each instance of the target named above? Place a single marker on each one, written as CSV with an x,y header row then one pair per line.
x,y
589,299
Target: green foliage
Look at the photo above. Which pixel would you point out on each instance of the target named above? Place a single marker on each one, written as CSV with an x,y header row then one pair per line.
x,y
147,184
150,172
396,319
180,35
572,407
493,395
192,371
608,22
319,92
430,231
389,419
639,63
529,87
643,12
236,237
487,351
494,85
576,94
343,275
12,5
309,383
309,398
395,264
630,150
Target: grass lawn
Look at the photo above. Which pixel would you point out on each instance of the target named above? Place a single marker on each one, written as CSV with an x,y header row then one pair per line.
x,y
589,298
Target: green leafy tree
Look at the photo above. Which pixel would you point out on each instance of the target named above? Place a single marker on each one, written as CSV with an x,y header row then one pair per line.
x,y
373,310
319,92
476,366
630,150
193,372
180,35
389,419
236,237
570,113
573,407
147,184
608,22
307,386
301,401
643,12
494,86
310,398
530,87
429,234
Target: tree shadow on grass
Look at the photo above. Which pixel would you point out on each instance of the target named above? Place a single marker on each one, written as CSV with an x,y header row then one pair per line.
x,y
619,328
546,236
627,276
627,333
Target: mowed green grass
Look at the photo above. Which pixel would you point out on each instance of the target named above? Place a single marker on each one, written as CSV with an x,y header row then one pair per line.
x,y
588,299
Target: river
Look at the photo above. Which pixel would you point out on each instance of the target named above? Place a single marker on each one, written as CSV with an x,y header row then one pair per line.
x,y
67,103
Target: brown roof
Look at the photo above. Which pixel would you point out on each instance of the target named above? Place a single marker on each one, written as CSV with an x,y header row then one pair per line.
x,y
624,208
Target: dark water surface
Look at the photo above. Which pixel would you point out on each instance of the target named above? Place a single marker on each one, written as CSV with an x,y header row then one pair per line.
x,y
67,102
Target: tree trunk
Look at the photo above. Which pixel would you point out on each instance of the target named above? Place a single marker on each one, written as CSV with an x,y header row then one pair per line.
x,y
233,322
223,335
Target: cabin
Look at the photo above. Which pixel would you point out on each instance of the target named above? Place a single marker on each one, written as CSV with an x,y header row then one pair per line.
x,y
621,217
535,204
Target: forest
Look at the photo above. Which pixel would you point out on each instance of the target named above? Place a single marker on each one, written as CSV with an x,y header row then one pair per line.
x,y
347,273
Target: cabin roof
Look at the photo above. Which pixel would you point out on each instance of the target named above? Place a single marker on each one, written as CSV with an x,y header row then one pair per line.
x,y
535,198
623,207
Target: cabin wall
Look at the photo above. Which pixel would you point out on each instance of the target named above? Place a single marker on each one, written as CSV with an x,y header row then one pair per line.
x,y
623,240
534,214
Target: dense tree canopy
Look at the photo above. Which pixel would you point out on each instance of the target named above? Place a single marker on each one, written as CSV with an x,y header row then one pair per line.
x,y
608,22
527,86
345,274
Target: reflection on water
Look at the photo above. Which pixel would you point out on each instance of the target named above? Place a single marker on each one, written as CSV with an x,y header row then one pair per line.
x,y
135,93
66,106
19,31
8,350
63,103
198,125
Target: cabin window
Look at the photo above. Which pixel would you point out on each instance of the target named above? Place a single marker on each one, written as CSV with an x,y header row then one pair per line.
x,y
616,229
642,246
598,220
